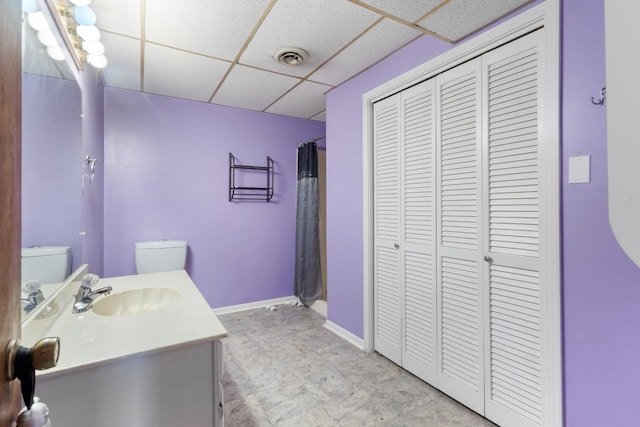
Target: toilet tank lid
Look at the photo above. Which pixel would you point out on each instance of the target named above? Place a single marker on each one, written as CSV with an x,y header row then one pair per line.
x,y
161,244
35,251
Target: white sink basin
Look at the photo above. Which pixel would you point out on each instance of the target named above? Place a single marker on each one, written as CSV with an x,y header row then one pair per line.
x,y
135,301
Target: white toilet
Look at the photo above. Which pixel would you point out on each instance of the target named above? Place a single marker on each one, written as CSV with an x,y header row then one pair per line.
x,y
160,255
46,264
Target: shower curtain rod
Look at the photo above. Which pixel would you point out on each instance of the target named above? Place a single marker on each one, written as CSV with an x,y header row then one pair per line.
x,y
313,140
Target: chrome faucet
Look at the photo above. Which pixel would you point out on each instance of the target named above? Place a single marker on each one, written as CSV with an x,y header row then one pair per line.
x,y
32,301
84,296
35,295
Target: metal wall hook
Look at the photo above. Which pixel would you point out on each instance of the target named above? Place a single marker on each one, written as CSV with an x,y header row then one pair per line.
x,y
603,96
91,166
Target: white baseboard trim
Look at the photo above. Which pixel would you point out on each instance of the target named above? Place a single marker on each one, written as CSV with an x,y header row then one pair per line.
x,y
345,335
251,305
320,307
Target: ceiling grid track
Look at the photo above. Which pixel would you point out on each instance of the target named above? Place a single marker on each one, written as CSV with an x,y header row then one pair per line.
x,y
222,52
244,47
402,21
339,51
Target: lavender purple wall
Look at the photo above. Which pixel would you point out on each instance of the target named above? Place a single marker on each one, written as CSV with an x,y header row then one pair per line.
x,y
167,177
51,163
344,181
93,145
601,285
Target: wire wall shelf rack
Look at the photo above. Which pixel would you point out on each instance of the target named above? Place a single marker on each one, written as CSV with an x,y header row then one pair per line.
x,y
248,192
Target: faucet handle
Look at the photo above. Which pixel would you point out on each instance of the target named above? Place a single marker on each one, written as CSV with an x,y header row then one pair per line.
x,y
31,285
89,280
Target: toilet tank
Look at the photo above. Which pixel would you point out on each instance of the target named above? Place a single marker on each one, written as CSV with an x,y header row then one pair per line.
x,y
160,255
46,264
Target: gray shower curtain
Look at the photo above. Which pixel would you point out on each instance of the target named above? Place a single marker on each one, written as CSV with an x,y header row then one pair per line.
x,y
308,279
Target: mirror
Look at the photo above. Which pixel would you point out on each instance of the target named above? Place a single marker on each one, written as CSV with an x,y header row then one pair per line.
x,y
623,150
52,167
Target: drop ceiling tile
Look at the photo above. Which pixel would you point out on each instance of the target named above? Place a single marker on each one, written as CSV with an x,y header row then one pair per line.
x,y
123,56
459,18
376,44
305,100
118,16
253,89
319,27
409,10
217,28
181,74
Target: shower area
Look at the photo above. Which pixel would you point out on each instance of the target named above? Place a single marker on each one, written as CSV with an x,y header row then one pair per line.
x,y
310,283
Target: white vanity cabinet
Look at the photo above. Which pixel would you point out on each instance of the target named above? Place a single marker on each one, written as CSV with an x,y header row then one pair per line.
x,y
176,387
161,367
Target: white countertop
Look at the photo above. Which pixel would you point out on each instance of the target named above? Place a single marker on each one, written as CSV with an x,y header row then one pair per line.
x,y
88,339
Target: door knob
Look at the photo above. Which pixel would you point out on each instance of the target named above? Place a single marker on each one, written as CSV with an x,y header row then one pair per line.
x,y
396,245
488,259
21,363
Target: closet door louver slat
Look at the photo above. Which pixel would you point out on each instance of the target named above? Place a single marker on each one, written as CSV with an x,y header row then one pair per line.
x,y
387,304
387,286
458,164
460,356
514,371
460,332
418,246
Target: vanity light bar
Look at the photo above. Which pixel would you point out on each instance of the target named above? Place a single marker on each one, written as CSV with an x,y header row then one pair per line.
x,y
75,21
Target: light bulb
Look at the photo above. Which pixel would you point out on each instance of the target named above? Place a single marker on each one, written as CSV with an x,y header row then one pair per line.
x,y
81,2
29,6
93,47
98,61
37,21
56,53
88,32
84,15
47,38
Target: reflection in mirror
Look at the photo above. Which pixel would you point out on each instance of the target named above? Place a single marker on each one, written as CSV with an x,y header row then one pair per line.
x,y
51,171
59,295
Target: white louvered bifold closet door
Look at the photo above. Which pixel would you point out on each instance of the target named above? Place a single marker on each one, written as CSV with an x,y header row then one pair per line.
x,y
404,187
387,228
462,215
459,219
419,335
514,369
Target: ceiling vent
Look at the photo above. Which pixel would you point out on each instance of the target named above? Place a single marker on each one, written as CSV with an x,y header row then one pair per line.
x,y
291,56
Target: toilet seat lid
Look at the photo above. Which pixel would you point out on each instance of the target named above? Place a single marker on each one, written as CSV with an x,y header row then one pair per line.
x,y
161,244
35,251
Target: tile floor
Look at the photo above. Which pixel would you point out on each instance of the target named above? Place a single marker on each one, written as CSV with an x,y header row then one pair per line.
x,y
283,368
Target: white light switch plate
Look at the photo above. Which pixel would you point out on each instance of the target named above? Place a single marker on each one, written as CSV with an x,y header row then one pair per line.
x,y
579,169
